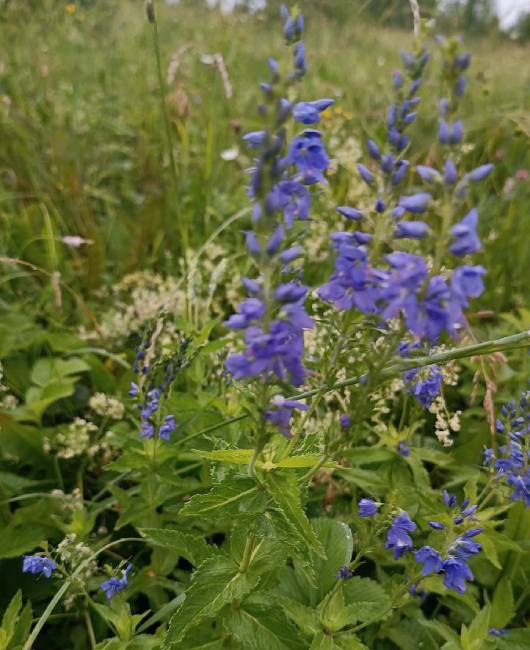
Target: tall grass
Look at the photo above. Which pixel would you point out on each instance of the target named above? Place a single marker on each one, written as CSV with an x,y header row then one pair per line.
x,y
84,145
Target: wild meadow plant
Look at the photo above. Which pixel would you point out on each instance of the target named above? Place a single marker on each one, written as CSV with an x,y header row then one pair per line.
x,y
325,516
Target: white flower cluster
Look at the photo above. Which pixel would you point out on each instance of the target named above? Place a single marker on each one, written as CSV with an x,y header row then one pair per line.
x,y
107,406
73,553
72,501
198,293
445,421
75,442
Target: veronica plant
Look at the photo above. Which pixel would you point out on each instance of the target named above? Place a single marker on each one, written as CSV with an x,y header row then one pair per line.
x,y
318,513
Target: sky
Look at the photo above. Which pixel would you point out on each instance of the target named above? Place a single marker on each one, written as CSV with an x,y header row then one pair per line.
x,y
507,10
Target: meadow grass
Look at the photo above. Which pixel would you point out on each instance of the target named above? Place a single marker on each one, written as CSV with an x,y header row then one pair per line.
x,y
83,148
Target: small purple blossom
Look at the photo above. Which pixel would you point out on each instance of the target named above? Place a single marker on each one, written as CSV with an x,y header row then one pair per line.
x,y
398,540
367,508
113,585
36,564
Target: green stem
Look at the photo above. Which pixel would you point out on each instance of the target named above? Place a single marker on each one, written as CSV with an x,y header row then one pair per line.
x,y
247,553
504,344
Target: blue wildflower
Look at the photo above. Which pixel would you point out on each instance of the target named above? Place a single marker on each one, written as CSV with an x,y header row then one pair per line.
x,y
498,632
308,154
411,230
344,573
36,564
309,112
480,173
465,233
424,383
428,174
430,558
367,508
167,427
398,540
365,173
456,572
345,420
113,585
350,213
403,449
416,203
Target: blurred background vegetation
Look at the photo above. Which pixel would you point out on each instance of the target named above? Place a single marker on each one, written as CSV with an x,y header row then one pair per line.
x,y
84,147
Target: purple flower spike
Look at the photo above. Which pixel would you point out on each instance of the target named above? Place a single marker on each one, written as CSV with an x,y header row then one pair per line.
x,y
479,173
398,540
411,230
350,213
416,203
367,508
365,173
431,560
466,240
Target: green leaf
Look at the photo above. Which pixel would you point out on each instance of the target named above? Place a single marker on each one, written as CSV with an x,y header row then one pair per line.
x,y
348,641
232,498
336,538
490,551
9,619
216,583
301,615
517,639
191,547
22,627
285,492
370,482
478,630
304,460
49,370
244,456
356,601
503,607
323,642
258,629
16,540
15,484
236,456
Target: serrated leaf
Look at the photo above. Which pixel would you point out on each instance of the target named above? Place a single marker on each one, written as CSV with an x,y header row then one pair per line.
x,y
258,630
490,551
285,492
302,616
244,456
216,583
358,600
236,456
304,460
337,540
349,642
502,607
16,540
233,497
323,642
478,630
191,547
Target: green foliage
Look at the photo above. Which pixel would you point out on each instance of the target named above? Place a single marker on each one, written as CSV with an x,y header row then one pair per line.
x,y
234,544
